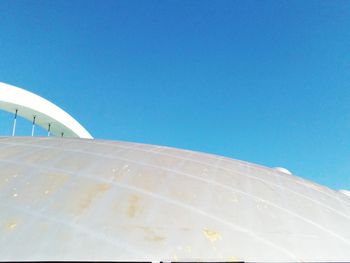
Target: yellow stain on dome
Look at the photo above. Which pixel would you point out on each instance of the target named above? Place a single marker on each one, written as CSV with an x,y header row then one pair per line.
x,y
11,225
134,206
211,235
232,259
90,195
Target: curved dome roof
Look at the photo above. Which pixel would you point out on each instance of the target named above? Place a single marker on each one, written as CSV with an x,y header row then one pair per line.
x,y
76,199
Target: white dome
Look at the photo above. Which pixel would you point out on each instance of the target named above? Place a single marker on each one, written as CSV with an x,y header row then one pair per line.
x,y
76,199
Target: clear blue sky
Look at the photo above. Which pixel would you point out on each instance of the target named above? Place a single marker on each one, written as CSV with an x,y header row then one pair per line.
x,y
263,81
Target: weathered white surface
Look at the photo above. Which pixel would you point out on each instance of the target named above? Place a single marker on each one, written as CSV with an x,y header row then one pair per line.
x,y
74,199
29,105
346,192
283,170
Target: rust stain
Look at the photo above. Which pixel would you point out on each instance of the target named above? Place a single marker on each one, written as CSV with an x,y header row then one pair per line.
x,y
151,234
211,235
90,195
134,206
158,238
82,198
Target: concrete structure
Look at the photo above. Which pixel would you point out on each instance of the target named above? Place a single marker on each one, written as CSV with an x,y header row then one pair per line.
x,y
76,199
40,111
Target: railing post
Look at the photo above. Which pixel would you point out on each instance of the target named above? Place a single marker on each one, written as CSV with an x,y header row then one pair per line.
x,y
33,126
14,123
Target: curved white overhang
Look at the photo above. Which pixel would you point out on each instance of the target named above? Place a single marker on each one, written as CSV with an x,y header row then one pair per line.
x,y
46,113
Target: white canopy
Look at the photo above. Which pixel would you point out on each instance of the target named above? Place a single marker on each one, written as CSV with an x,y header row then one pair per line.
x,y
46,113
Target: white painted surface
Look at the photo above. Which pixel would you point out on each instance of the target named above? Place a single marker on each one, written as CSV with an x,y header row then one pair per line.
x,y
30,105
75,199
283,170
346,192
